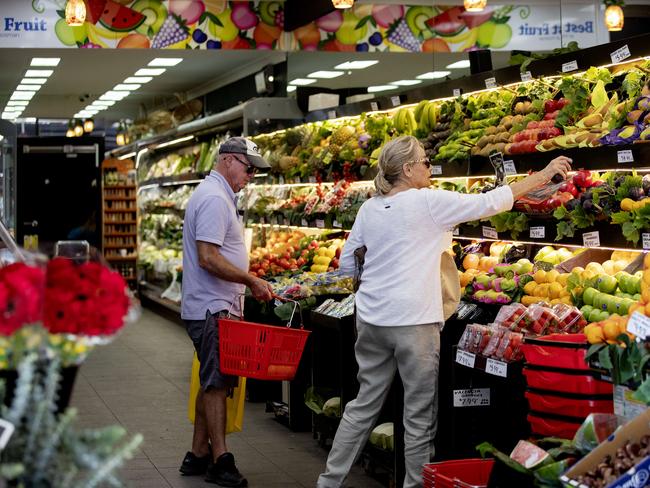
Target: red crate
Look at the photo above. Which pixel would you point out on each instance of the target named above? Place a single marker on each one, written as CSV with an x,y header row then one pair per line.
x,y
461,473
557,350
550,427
567,381
577,407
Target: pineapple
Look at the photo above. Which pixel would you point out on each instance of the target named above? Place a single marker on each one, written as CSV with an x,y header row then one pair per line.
x,y
343,134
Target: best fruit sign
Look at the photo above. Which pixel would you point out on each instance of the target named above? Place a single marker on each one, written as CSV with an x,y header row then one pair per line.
x,y
223,24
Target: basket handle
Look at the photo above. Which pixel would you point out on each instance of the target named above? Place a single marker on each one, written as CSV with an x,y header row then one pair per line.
x,y
296,305
240,297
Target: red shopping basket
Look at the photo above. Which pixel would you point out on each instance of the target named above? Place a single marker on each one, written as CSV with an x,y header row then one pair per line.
x,y
259,351
461,473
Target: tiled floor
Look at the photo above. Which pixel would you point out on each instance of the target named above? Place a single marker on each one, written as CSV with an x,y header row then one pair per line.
x,y
141,381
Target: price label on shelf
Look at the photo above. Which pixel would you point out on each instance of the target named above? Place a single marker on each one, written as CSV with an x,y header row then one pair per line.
x,y
491,83
312,179
304,223
570,66
472,397
465,358
374,106
526,76
620,54
297,180
337,224
286,221
395,100
625,156
490,232
331,114
320,223
646,240
591,239
281,180
456,92
509,167
456,231
538,232
496,368
639,325
436,170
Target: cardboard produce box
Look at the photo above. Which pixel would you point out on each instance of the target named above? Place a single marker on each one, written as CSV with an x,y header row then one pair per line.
x,y
584,258
636,477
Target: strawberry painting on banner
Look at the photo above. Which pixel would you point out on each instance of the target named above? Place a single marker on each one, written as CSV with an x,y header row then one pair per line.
x,y
241,24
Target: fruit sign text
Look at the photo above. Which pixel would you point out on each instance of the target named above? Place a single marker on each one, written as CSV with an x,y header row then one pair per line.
x,y
465,358
472,397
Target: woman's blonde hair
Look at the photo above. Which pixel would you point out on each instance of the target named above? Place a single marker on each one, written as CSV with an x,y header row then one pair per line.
x,y
391,160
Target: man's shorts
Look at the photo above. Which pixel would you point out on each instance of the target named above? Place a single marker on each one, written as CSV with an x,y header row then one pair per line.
x,y
205,336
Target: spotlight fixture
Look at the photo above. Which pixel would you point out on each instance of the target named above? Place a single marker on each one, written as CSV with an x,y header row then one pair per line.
x,y
343,3
75,13
78,128
614,17
89,125
475,5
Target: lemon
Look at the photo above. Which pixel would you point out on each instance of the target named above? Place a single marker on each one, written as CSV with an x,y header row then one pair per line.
x,y
540,276
554,290
529,288
552,275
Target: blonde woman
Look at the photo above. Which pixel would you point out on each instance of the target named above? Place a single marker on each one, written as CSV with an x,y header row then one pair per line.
x,y
405,228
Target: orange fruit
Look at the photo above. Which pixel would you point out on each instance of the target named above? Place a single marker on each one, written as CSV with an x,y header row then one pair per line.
x,y
307,34
471,261
133,41
435,45
266,34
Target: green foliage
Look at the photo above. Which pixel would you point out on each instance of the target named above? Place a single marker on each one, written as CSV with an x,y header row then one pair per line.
x,y
515,222
576,90
626,363
45,450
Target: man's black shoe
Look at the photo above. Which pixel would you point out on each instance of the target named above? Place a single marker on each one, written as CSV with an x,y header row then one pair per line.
x,y
225,473
193,465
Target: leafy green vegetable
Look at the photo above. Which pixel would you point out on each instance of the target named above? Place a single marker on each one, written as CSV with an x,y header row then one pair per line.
x,y
515,222
598,74
576,90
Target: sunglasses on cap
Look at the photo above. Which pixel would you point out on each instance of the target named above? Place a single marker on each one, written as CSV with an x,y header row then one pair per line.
x,y
250,169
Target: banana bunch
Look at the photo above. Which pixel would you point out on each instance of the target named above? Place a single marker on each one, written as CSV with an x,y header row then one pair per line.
x,y
404,121
468,39
426,115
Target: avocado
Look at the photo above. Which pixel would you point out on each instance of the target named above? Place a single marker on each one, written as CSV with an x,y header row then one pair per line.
x,y
416,19
155,14
268,10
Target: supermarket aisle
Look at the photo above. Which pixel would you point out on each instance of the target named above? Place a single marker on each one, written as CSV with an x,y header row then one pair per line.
x,y
141,381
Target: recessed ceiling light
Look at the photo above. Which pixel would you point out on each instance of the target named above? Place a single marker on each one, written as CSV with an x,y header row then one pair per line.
x,y
459,64
138,79
90,108
45,61
10,115
150,71
38,73
103,103
302,81
33,81
114,95
28,88
432,75
291,89
127,86
406,82
379,88
165,62
325,74
356,64
17,103
22,95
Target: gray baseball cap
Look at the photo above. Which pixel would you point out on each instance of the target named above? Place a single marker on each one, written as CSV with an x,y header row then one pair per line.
x,y
241,145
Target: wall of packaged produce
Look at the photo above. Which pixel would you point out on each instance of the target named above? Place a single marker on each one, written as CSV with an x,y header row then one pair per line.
x,y
563,271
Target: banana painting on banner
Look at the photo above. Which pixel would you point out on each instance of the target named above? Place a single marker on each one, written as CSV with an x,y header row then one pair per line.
x,y
223,24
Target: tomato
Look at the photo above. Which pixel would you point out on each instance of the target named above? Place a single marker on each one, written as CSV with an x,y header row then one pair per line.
x,y
300,262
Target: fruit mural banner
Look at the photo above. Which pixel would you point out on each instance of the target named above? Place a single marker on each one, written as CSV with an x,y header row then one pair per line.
x,y
241,24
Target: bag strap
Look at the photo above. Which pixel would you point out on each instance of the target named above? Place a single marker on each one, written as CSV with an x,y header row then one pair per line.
x,y
359,260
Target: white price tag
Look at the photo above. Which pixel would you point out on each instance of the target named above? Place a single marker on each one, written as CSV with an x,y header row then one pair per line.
x,y
337,224
646,240
591,239
456,92
395,100
465,358
472,397
625,156
6,431
331,114
491,83
436,170
312,179
526,76
297,180
620,54
281,180
570,66
496,368
304,222
374,106
286,221
456,231
490,232
320,223
509,167
537,232
639,325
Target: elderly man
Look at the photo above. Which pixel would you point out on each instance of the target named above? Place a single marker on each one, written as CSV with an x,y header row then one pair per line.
x,y
215,276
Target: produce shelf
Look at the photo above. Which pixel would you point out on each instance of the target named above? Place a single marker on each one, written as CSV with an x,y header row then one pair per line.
x,y
153,292
488,365
184,179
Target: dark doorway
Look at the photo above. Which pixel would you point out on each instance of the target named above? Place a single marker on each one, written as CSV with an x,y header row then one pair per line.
x,y
58,190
